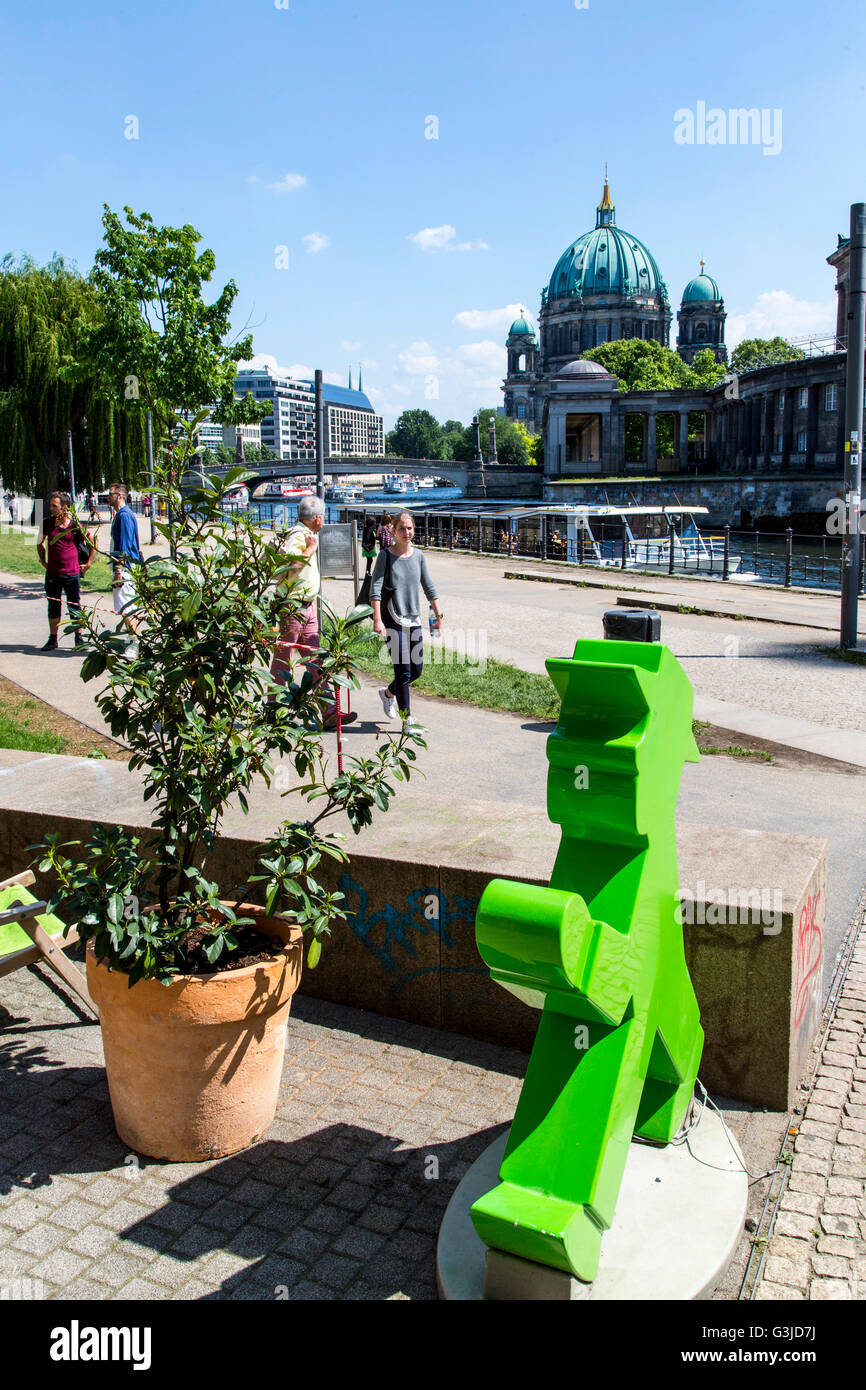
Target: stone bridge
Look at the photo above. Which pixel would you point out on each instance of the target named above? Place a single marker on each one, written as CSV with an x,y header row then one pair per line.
x,y
494,482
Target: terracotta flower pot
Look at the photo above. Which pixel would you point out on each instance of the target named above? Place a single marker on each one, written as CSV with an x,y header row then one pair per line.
x,y
194,1067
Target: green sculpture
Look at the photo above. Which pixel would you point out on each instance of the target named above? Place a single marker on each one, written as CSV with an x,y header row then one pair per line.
x,y
600,952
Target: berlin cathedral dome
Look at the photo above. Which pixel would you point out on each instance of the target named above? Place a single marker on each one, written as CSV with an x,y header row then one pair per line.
x,y
605,286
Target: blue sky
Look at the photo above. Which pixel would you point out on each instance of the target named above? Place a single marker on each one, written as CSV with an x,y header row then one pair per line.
x,y
305,128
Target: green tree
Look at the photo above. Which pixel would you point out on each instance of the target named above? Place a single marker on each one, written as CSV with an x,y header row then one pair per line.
x,y
416,435
42,395
763,352
641,364
158,346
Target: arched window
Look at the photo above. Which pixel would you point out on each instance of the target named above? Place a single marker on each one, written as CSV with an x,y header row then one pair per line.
x,y
701,333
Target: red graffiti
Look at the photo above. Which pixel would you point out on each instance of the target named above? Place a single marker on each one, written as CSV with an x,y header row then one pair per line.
x,y
810,946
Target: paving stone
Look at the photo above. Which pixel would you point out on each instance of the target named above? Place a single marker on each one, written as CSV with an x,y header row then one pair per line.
x,y
846,1187
60,1267
141,1291
819,1129
841,1206
811,1144
801,1181
335,1271
383,1219
116,1268
809,1203
822,1290
810,1163
93,1240
39,1240
841,1245
825,1114
21,1215
831,1266
794,1223
835,1078
195,1289
83,1290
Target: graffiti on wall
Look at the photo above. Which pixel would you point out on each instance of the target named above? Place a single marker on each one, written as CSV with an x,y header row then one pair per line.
x,y
392,933
807,965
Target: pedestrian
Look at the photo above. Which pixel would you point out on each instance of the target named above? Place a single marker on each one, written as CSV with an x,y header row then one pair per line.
x,y
58,551
385,532
92,507
146,505
368,543
299,625
9,499
125,555
399,573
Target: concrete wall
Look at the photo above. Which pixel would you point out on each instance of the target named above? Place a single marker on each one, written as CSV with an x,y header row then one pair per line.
x,y
409,951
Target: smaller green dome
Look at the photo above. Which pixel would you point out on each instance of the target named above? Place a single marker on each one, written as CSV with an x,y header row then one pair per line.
x,y
702,287
522,327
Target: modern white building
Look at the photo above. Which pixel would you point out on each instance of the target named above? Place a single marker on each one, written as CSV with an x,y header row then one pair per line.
x,y
352,427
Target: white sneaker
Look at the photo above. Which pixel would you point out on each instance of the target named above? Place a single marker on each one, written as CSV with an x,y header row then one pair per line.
x,y
416,725
389,704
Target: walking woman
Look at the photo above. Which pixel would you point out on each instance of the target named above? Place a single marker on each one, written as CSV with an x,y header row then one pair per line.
x,y
400,572
58,553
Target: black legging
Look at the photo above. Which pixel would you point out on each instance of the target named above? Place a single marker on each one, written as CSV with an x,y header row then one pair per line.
x,y
406,646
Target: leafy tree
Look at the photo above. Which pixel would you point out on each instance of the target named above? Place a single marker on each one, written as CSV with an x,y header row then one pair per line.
x,y
416,435
534,443
225,456
451,441
158,346
42,396
644,365
763,352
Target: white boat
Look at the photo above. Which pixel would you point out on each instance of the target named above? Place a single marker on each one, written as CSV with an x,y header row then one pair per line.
x,y
593,535
396,483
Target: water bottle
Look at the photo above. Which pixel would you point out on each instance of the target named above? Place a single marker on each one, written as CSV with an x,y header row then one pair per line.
x,y
431,621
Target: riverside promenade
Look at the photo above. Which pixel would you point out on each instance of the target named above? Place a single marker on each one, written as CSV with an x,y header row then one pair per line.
x,y
339,1201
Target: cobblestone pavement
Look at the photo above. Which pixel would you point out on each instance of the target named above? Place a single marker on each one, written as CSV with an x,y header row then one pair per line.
x,y
378,1120
817,1250
377,1123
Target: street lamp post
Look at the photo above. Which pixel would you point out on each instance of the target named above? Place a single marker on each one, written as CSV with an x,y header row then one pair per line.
x,y
853,425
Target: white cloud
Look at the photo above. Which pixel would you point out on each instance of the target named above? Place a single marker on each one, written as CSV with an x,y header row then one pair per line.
x,y
289,183
418,359
479,319
299,370
485,356
442,239
778,312
315,242
350,346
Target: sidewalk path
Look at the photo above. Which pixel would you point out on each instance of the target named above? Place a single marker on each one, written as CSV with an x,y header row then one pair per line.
x,y
817,1248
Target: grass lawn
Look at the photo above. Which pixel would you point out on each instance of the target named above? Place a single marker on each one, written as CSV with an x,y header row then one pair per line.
x,y
21,729
487,684
31,725
18,556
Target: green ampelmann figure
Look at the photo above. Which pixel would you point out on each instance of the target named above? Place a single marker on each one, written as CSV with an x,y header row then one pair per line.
x,y
600,952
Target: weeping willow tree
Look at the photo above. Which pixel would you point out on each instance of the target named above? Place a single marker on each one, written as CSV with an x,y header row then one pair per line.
x,y
44,392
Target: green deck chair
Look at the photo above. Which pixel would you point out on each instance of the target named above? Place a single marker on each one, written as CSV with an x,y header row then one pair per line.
x,y
29,934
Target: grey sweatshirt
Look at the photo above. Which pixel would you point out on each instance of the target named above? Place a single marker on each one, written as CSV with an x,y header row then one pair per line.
x,y
408,572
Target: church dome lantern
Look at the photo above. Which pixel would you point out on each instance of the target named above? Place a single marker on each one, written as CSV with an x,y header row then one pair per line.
x,y
701,319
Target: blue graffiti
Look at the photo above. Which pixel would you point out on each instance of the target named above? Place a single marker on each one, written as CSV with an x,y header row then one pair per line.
x,y
427,913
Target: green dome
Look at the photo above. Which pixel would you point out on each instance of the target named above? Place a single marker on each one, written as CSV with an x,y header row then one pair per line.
x,y
702,287
521,327
606,260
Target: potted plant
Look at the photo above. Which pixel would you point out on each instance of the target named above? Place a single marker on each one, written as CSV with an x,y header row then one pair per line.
x,y
192,983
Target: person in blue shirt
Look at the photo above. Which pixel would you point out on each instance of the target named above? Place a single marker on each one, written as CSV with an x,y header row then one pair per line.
x,y
125,554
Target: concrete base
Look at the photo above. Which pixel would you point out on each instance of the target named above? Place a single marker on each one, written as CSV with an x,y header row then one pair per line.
x,y
678,1221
